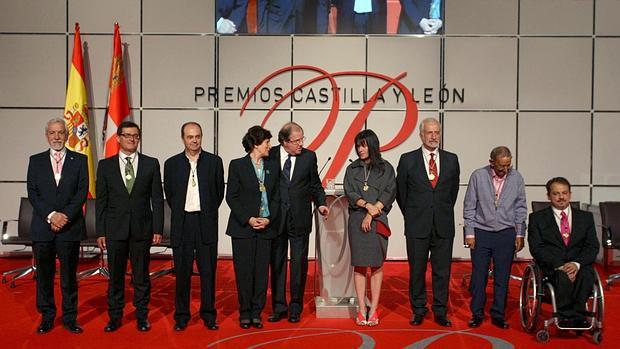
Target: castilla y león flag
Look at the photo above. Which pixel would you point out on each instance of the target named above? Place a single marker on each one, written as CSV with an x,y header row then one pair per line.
x,y
118,102
76,111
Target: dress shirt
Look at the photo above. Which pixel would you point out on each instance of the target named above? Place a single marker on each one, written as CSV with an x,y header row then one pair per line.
x,y
283,156
480,211
122,162
192,197
557,214
362,6
427,157
63,154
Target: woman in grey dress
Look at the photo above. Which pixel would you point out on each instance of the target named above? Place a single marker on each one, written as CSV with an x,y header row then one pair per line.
x,y
370,186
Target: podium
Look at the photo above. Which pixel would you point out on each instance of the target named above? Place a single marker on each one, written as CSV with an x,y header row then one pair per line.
x,y
334,289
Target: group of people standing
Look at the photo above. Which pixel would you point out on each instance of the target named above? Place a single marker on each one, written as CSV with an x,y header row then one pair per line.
x,y
270,192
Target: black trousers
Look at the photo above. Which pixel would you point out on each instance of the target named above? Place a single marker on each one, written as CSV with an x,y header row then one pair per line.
x,y
298,269
251,264
571,297
45,253
500,247
139,254
441,261
191,249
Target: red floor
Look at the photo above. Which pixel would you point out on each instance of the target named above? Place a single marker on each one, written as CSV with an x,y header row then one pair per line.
x,y
19,320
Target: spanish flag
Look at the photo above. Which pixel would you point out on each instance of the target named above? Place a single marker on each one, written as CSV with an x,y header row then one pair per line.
x,y
76,111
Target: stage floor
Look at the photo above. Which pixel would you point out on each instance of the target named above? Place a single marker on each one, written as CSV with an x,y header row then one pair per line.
x,y
19,319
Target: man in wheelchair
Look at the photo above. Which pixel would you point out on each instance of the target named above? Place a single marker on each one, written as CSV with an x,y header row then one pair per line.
x,y
564,245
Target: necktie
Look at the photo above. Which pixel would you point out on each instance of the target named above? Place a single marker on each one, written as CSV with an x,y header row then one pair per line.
x,y
432,169
58,166
286,170
362,6
564,228
129,175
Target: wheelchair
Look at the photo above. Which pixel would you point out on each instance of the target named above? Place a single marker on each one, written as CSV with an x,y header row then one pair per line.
x,y
536,290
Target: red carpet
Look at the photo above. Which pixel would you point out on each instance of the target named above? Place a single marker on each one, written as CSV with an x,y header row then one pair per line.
x,y
19,319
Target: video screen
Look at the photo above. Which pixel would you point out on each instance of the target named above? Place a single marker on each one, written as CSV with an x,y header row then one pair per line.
x,y
277,17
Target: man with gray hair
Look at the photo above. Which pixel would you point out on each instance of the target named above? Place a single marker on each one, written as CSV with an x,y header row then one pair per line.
x,y
428,184
57,184
494,212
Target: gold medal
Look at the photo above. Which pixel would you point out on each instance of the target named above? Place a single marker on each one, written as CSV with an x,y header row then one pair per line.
x,y
261,187
193,182
431,176
365,188
128,177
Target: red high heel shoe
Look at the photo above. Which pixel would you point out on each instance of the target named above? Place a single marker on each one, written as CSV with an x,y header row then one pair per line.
x,y
360,320
373,320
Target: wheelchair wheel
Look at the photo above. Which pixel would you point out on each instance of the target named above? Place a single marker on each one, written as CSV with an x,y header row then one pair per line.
x,y
542,336
530,299
597,337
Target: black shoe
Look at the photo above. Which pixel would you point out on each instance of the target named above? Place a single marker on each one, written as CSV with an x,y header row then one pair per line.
x,y
245,324
73,327
581,323
275,317
45,326
144,325
294,318
112,326
180,326
564,322
257,323
211,325
417,319
443,321
475,322
499,322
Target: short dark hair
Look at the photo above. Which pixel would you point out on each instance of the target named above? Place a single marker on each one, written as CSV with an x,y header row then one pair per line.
x,y
369,138
128,124
286,130
500,152
187,124
255,136
560,180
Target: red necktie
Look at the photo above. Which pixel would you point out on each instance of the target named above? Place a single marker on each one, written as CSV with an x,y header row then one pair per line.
x,y
565,228
432,168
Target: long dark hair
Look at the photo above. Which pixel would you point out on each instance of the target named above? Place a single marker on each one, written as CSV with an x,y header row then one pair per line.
x,y
369,138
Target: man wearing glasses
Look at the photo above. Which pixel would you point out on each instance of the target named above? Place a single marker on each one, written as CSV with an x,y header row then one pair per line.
x,y
494,213
130,217
299,187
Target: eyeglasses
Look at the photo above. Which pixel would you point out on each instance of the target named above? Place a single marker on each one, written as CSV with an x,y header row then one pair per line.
x,y
298,141
130,136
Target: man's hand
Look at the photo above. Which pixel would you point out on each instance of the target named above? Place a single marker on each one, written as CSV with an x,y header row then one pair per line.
x,y
323,210
156,238
471,242
59,220
519,243
571,270
101,243
366,223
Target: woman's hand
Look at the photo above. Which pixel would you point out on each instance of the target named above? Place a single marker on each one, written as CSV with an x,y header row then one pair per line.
x,y
373,210
366,223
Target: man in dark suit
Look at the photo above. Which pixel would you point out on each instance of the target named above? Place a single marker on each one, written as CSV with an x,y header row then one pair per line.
x,y
299,187
194,186
57,186
130,217
354,19
563,243
293,16
420,17
231,16
428,183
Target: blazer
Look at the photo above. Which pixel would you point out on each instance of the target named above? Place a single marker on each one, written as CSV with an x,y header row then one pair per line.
x,y
293,16
243,197
305,187
210,177
547,246
234,10
411,13
421,204
121,216
68,197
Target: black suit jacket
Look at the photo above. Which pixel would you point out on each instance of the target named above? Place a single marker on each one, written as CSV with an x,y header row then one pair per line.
x,y
305,187
68,197
210,177
547,246
243,197
118,212
422,205
234,10
411,13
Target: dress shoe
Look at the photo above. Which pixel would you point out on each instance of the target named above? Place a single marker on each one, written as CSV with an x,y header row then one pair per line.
x,y
45,326
417,319
180,326
294,318
73,327
257,323
443,321
475,322
499,322
211,325
245,324
581,323
275,317
564,322
112,326
144,325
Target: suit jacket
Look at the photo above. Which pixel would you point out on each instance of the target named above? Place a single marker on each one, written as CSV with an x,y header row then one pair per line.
x,y
234,10
346,22
293,16
68,197
421,204
547,246
305,187
210,178
119,213
411,13
243,197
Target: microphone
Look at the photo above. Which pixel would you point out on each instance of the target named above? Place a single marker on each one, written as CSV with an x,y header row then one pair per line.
x,y
325,164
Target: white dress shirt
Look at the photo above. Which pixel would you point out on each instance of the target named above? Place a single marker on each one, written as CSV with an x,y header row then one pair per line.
x,y
426,154
122,161
63,154
192,197
283,156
